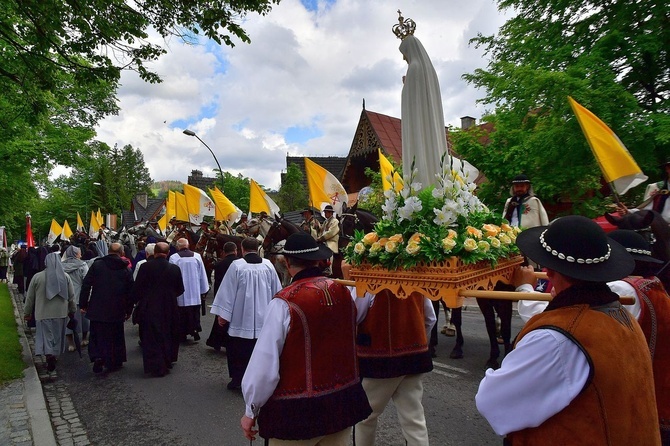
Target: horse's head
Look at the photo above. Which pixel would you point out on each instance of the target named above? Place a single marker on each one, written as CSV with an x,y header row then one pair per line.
x,y
280,229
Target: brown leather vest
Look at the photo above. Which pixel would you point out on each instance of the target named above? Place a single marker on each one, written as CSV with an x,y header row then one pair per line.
x,y
319,390
655,323
617,405
392,339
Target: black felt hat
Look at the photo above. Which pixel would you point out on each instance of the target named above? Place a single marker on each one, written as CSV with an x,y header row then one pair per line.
x,y
521,179
301,245
576,247
635,244
328,208
307,210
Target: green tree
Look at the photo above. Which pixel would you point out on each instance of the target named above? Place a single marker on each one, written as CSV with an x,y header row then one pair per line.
x,y
611,57
107,179
236,189
292,195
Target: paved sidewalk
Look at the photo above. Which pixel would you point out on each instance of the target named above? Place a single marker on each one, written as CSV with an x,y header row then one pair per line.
x,y
37,410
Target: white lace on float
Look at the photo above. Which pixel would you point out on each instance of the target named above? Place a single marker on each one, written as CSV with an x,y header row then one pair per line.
x,y
301,251
571,259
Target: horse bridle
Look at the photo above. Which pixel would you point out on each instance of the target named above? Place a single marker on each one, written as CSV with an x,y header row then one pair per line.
x,y
356,220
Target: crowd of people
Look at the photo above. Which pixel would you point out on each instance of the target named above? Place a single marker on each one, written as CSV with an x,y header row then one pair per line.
x,y
313,360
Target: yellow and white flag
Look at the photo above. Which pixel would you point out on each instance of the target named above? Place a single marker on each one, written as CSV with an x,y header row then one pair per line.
x,y
162,223
99,218
67,232
170,205
324,188
259,200
54,232
616,163
198,204
225,209
93,226
80,223
390,178
181,211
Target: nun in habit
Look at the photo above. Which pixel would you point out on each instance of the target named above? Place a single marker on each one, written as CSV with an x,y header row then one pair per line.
x,y
424,138
51,295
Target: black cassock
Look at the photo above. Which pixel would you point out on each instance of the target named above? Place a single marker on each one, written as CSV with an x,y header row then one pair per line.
x,y
156,289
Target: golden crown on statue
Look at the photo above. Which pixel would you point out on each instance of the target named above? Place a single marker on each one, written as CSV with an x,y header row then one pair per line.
x,y
404,27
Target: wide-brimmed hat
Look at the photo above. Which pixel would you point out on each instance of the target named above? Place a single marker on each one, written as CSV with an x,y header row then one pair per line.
x,y
328,208
307,210
301,245
662,165
635,244
521,179
204,223
576,247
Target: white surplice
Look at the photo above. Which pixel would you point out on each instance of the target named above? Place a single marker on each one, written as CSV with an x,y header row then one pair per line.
x,y
243,296
194,276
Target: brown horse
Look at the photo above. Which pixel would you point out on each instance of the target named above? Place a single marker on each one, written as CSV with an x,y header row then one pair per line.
x,y
273,243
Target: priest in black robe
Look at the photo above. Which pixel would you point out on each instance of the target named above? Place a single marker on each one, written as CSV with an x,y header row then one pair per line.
x,y
156,289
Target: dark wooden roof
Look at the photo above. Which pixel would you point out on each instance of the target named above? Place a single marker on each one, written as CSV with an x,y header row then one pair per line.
x,y
138,213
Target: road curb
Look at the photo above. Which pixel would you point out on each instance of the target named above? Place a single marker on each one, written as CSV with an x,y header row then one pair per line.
x,y
33,394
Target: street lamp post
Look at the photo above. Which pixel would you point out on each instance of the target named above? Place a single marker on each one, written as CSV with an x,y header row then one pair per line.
x,y
192,133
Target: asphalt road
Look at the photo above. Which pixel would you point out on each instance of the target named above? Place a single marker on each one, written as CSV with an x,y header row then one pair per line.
x,y
191,406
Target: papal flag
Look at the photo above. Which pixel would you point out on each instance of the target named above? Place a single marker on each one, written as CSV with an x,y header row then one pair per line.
x,y
99,218
390,178
163,222
616,163
259,200
93,226
225,209
170,205
80,223
324,188
181,211
67,232
198,204
54,232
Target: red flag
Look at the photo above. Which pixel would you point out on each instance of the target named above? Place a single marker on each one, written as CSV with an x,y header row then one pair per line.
x,y
30,241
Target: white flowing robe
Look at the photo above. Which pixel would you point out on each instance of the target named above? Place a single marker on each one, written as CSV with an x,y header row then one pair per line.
x,y
244,295
194,277
424,138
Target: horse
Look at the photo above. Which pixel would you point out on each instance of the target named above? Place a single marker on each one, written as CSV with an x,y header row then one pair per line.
x,y
353,219
653,227
278,232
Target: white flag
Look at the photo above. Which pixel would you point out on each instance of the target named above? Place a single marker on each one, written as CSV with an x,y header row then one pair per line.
x,y
198,204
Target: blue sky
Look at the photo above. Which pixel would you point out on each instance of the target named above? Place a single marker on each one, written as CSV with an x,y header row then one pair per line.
x,y
297,89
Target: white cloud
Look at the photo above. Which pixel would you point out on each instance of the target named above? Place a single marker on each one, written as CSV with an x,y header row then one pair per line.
x,y
303,69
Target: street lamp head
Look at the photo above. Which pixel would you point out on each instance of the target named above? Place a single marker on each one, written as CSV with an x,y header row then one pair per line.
x,y
97,184
189,132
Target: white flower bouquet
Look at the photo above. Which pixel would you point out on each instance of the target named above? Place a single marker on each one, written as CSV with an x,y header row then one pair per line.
x,y
432,225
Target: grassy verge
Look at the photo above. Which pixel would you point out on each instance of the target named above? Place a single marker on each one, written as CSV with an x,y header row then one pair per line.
x,y
11,362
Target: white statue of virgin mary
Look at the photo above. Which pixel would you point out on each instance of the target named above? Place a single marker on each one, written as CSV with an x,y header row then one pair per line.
x,y
423,132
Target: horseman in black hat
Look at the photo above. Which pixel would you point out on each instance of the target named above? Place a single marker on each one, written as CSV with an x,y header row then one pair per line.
x,y
523,208
310,224
656,196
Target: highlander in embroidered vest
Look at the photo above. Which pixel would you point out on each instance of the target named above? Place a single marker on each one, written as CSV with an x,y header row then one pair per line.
x,y
617,404
392,339
319,390
655,322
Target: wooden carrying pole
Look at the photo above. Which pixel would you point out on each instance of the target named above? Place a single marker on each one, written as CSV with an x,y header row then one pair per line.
x,y
505,295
